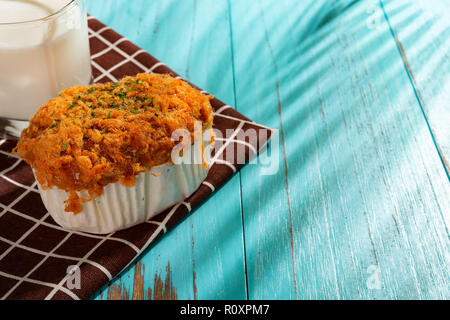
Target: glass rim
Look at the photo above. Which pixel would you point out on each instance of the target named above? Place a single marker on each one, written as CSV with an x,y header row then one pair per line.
x,y
52,16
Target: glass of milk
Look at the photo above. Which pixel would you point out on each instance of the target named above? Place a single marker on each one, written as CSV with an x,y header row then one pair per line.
x,y
44,48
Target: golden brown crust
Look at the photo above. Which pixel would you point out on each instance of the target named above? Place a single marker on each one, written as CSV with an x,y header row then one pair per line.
x,y
104,133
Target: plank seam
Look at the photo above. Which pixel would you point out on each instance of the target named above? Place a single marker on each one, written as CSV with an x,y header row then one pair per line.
x,y
233,70
414,86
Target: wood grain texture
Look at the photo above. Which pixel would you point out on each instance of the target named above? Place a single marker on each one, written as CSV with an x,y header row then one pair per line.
x,y
363,209
422,32
359,206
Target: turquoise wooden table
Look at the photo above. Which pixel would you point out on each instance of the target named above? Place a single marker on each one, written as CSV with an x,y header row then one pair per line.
x,y
360,94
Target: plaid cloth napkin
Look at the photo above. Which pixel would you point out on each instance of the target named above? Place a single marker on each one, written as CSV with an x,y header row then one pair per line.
x,y
35,253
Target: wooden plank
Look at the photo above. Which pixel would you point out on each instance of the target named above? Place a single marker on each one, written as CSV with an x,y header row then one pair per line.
x,y
359,207
422,32
203,257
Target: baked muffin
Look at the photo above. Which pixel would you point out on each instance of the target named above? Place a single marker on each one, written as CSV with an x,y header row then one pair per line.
x,y
102,154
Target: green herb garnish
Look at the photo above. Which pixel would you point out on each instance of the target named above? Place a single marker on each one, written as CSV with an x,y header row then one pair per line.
x,y
121,95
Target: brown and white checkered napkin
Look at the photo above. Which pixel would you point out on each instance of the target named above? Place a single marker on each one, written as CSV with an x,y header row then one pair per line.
x,y
35,253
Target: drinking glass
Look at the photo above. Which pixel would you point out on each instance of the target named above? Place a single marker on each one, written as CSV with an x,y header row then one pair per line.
x,y
44,48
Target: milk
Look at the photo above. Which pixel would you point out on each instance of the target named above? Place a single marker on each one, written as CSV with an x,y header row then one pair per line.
x,y
39,59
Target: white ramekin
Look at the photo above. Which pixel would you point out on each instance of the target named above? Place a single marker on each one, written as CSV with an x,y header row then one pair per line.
x,y
121,207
